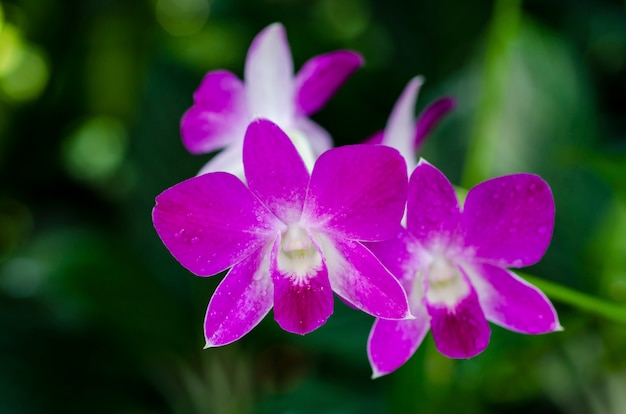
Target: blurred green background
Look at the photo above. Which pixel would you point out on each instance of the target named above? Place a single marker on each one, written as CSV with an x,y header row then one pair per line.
x,y
97,317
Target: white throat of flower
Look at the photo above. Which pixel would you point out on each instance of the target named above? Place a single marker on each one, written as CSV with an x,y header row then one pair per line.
x,y
298,257
446,284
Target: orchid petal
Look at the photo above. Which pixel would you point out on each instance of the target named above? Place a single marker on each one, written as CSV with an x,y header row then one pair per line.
x,y
513,303
359,278
321,76
240,301
317,137
509,220
430,117
401,124
391,343
218,116
461,331
432,207
303,298
269,76
398,255
228,160
274,170
211,222
357,192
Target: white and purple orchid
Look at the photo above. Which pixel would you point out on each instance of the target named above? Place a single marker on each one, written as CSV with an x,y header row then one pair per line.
x,y
405,133
290,238
453,264
224,105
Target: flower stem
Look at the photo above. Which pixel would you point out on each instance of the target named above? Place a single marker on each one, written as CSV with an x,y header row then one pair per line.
x,y
560,293
484,136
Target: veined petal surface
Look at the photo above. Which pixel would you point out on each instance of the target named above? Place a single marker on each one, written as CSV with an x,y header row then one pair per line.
x,y
513,303
358,277
240,301
303,298
433,213
392,342
321,76
269,76
398,255
274,170
219,115
509,220
211,222
357,192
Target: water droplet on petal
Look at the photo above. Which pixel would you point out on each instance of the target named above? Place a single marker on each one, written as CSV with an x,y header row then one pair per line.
x,y
195,240
179,233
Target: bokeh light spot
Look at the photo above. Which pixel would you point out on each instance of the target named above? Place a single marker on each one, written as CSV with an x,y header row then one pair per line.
x,y
11,48
21,277
27,78
182,17
96,149
348,18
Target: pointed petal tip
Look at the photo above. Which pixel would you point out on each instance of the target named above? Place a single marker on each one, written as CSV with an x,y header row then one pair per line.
x,y
377,374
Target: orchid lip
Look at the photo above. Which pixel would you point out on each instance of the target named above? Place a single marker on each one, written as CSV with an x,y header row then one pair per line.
x,y
298,256
446,285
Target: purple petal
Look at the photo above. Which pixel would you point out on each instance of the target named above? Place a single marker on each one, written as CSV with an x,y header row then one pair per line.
x,y
509,220
240,301
303,298
219,115
401,124
461,331
269,76
432,208
212,221
392,343
317,137
513,303
398,256
359,278
430,117
321,76
358,192
274,170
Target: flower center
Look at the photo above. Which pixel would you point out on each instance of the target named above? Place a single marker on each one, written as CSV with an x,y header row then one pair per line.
x,y
298,256
446,285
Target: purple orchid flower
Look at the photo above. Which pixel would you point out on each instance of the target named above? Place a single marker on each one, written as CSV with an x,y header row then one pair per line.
x,y
403,132
224,106
453,265
290,238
